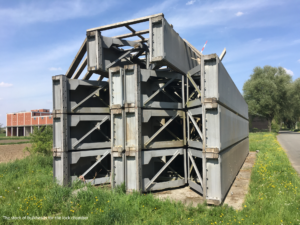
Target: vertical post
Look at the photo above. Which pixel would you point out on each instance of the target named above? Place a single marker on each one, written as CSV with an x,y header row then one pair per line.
x,y
203,128
31,129
24,131
6,131
17,131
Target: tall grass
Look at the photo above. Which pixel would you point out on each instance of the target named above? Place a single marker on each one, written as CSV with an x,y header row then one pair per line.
x,y
27,189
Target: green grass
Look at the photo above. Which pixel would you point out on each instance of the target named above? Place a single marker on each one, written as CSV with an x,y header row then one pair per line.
x,y
27,189
3,137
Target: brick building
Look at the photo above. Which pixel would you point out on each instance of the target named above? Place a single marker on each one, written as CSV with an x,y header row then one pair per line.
x,y
22,123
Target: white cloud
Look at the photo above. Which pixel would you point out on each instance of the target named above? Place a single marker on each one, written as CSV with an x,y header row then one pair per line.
x,y
50,11
239,13
191,2
2,84
55,68
289,71
209,13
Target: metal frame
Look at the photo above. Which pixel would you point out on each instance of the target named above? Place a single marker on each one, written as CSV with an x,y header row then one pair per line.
x,y
197,88
134,87
176,181
98,60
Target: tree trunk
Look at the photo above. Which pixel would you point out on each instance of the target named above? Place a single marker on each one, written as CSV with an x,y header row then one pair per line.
x,y
270,124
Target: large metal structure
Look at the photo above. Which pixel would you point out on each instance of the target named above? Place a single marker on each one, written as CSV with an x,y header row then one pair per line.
x,y
167,116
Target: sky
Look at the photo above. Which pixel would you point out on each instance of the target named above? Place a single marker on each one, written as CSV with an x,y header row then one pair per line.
x,y
39,39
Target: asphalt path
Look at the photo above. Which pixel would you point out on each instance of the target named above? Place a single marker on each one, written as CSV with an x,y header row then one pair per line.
x,y
290,141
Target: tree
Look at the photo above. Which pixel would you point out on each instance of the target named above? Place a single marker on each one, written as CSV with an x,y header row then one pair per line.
x,y
41,140
295,102
267,92
1,124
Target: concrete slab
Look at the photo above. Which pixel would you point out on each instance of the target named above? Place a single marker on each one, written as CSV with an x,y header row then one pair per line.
x,y
186,195
238,191
235,197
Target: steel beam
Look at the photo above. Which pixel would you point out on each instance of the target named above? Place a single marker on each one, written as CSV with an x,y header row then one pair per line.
x,y
77,59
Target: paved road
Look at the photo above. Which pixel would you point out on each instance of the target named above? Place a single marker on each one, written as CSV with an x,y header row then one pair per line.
x,y
290,141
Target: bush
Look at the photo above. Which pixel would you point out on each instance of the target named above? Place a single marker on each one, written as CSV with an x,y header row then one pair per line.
x,y
41,140
275,127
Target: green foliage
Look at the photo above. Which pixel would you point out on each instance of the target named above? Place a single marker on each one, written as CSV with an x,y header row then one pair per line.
x,y
27,189
41,140
266,92
275,127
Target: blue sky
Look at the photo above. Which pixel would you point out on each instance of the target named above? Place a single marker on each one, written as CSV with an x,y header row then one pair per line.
x,y
39,39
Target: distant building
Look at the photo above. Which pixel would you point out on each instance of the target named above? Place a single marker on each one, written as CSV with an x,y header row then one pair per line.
x,y
260,123
22,123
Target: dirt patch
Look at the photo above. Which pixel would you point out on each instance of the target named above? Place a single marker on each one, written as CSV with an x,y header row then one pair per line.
x,y
12,152
13,141
186,195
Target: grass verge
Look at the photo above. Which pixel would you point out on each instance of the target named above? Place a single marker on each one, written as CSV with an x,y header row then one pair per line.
x,y
15,143
27,189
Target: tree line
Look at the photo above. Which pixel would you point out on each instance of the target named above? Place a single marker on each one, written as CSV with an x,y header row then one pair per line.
x,y
271,93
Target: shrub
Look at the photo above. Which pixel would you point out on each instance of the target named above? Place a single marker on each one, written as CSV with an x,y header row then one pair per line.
x,y
275,127
41,140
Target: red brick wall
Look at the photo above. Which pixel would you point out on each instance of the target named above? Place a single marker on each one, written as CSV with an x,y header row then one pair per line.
x,y
8,120
14,119
28,118
34,120
20,119
49,120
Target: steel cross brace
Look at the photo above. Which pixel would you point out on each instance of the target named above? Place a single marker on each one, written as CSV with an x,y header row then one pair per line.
x,y
195,167
88,133
95,164
160,129
172,169
160,89
162,169
193,83
92,94
195,124
122,56
170,132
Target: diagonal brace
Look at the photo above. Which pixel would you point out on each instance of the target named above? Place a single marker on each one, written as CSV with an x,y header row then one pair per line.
x,y
195,124
193,83
88,133
95,164
195,167
167,94
170,132
160,89
160,129
162,169
92,94
121,57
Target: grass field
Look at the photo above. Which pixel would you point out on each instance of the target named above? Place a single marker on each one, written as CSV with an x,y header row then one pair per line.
x,y
27,189
3,137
